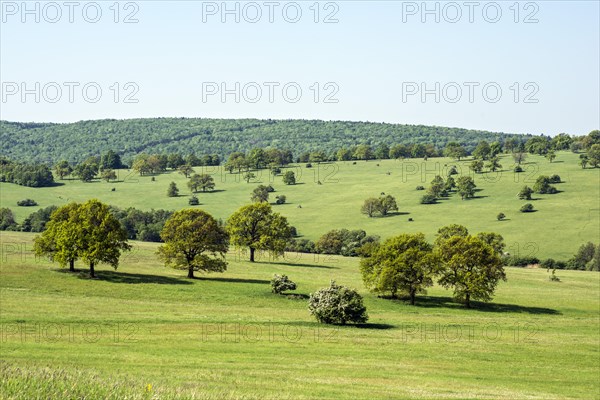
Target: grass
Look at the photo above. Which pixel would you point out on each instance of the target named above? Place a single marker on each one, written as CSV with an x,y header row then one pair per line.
x,y
572,215
227,336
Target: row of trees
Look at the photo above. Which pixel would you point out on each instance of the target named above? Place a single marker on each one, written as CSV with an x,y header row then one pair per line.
x,y
25,174
407,264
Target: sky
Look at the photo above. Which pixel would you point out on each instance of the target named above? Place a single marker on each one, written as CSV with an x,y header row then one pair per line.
x,y
506,66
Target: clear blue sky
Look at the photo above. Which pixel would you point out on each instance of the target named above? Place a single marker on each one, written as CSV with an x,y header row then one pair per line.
x,y
378,56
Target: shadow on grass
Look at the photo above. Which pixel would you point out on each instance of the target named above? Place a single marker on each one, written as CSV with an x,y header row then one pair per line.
x,y
124,277
295,296
448,302
374,326
231,280
291,264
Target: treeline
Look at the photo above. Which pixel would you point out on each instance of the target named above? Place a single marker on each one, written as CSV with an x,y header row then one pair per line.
x,y
25,174
77,141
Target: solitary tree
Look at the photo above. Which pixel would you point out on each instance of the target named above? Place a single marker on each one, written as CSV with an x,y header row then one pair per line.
x,y
289,178
108,175
248,176
173,191
404,263
387,203
257,227
494,164
195,241
260,194
471,267
525,193
63,169
206,182
465,187
551,155
186,170
476,166
370,207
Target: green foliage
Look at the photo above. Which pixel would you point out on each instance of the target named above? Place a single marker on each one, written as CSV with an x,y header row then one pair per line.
x,y
7,220
420,187
223,137
525,193
108,175
527,207
280,199
586,258
471,267
454,150
27,203
36,221
289,178
257,227
465,186
446,232
110,160
344,242
86,171
172,191
33,175
62,169
142,225
370,207
495,240
195,241
476,166
193,201
500,216
379,206
337,305
281,283
186,170
403,263
201,181
482,151
428,199
260,194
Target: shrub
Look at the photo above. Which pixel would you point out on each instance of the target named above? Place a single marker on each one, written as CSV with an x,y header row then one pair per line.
x,y
281,283
500,216
308,165
420,187
527,208
27,203
193,201
555,179
518,169
517,261
548,263
337,304
270,189
428,199
301,246
280,199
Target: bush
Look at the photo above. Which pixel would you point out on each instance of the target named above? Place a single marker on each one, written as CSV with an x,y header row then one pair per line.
x,y
517,261
308,165
420,187
555,179
527,208
428,199
280,199
518,169
27,203
301,246
270,189
548,263
500,216
281,283
337,305
193,201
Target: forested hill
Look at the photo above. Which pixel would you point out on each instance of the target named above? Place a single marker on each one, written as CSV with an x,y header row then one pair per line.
x,y
47,142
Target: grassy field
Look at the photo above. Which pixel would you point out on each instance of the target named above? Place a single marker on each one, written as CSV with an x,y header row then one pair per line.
x,y
226,336
561,224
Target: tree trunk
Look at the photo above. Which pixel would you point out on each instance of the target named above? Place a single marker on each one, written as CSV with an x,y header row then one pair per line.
x,y
412,297
251,254
191,273
468,300
72,265
92,275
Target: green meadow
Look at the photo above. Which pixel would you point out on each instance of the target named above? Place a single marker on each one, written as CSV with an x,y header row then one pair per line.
x,y
145,331
561,223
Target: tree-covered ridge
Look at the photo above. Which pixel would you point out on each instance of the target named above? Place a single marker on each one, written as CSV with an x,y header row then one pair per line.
x,y
50,143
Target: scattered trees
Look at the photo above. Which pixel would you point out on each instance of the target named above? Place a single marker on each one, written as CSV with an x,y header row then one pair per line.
x,y
195,241
381,206
404,263
257,227
525,193
471,267
289,178
337,304
172,191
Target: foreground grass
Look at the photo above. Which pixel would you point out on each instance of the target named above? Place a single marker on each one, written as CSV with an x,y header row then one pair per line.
x,y
226,336
335,203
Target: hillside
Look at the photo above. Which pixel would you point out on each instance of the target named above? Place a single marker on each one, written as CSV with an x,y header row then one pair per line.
x,y
46,142
335,203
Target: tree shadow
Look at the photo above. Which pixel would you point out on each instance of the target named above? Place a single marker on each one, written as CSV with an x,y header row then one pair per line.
x,y
231,280
125,277
295,296
449,302
396,213
212,191
55,184
374,326
292,264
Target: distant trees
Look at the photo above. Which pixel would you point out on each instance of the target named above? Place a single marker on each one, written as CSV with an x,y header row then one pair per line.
x,y
110,160
62,169
186,170
482,151
86,171
344,242
32,175
337,304
379,206
201,181
550,155
455,150
403,263
542,185
172,191
257,227
465,186
586,258
493,164
289,178
525,193
195,241
260,194
476,166
108,175
7,220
